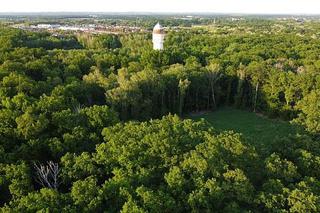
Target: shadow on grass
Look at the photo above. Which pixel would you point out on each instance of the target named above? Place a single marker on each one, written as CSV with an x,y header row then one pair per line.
x,y
258,130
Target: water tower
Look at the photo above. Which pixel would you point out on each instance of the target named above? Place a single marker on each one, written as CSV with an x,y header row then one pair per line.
x,y
158,37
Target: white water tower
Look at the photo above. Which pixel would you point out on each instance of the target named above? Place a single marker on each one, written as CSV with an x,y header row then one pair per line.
x,y
158,37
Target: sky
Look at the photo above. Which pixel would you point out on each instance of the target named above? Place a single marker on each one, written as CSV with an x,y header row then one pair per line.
x,y
212,6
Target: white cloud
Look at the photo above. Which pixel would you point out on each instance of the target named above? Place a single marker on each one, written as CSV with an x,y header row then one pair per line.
x,y
219,6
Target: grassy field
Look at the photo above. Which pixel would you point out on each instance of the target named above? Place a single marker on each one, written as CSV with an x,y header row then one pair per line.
x,y
257,130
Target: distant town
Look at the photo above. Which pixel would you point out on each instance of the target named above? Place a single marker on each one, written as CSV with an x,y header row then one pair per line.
x,y
88,28
102,24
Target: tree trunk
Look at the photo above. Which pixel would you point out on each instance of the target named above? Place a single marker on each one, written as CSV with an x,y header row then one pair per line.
x,y
208,100
162,103
181,97
256,97
229,92
213,98
197,102
238,100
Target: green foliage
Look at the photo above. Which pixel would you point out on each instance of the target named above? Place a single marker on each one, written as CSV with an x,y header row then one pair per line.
x,y
283,169
77,100
84,194
46,200
310,112
30,126
15,181
101,41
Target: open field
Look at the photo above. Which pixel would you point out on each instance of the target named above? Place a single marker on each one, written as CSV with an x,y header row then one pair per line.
x,y
258,130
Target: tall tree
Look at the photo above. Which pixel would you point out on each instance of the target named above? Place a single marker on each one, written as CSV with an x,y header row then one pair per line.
x,y
213,72
183,86
257,73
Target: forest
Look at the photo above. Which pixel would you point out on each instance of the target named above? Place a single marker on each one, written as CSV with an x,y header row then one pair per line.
x,y
99,123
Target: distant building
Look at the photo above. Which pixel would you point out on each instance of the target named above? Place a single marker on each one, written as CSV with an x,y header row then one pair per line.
x,y
158,37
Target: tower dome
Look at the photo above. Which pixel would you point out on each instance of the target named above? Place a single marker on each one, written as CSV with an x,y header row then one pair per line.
x,y
158,35
158,29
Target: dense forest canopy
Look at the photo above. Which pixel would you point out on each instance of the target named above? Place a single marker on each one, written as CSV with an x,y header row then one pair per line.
x,y
89,123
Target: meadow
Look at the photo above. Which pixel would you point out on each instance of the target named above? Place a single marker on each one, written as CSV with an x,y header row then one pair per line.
x,y
258,130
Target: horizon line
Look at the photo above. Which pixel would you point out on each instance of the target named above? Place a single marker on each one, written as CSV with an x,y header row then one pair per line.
x,y
157,12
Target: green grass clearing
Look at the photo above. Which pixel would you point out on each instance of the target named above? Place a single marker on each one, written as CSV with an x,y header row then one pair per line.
x,y
256,129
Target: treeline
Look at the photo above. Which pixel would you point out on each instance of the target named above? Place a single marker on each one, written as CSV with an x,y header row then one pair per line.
x,y
11,38
56,99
